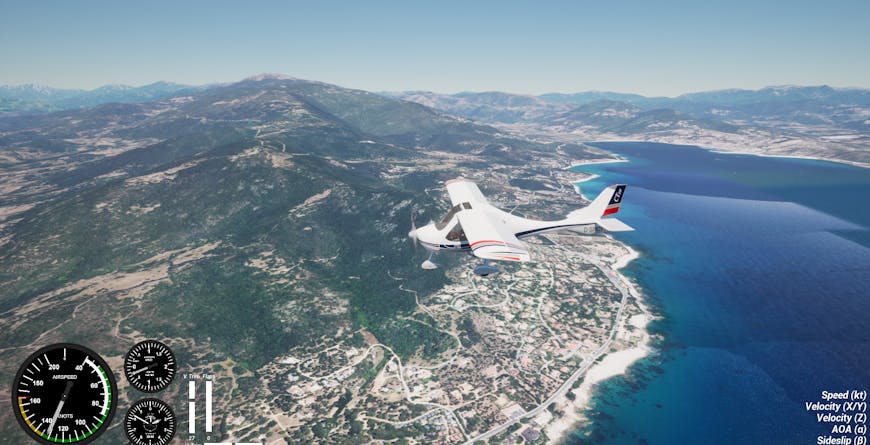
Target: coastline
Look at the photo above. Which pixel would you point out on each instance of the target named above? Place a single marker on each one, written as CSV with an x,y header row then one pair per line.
x,y
724,149
609,364
595,161
767,155
590,176
574,414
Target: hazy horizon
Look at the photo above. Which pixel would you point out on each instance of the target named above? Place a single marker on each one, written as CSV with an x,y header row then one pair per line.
x,y
593,90
653,49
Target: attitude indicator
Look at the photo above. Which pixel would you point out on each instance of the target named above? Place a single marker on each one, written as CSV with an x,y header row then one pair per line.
x,y
64,393
150,422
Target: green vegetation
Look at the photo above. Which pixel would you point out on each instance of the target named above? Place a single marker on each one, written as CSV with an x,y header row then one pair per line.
x,y
469,336
382,431
342,402
218,300
406,337
239,178
528,184
371,373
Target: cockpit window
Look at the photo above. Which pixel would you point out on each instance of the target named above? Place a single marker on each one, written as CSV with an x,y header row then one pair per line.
x,y
456,233
440,225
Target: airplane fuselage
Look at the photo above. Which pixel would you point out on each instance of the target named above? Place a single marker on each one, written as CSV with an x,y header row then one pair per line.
x,y
447,235
475,226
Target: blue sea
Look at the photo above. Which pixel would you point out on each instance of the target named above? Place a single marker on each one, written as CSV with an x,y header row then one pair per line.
x,y
760,271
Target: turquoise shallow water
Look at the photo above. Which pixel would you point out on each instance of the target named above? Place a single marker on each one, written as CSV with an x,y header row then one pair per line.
x,y
760,269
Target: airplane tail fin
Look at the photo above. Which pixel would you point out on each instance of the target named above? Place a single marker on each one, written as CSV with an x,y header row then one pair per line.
x,y
598,212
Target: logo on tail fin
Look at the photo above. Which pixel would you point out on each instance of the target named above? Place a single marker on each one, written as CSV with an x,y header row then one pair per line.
x,y
615,200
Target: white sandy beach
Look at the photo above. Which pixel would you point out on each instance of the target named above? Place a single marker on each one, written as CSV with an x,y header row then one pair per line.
x,y
610,365
811,158
624,260
588,178
723,148
597,161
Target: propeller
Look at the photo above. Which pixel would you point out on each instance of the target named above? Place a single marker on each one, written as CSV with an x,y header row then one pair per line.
x,y
413,233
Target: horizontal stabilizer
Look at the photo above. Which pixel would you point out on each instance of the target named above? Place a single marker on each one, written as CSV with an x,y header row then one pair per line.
x,y
613,225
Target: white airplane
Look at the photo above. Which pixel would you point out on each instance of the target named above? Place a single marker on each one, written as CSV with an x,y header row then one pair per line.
x,y
475,226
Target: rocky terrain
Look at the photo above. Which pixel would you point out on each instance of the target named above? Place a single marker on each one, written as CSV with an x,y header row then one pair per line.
x,y
817,122
253,223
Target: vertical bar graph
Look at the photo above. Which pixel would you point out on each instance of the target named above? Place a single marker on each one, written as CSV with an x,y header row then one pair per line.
x,y
208,423
191,416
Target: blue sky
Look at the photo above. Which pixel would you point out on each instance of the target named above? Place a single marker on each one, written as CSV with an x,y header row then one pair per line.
x,y
647,47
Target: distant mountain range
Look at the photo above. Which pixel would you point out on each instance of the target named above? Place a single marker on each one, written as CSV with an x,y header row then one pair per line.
x,y
468,104
813,121
808,104
40,98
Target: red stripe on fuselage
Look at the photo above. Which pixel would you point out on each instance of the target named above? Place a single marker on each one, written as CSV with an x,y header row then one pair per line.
x,y
487,241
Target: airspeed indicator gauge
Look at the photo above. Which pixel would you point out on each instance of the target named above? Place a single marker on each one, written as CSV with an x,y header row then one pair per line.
x,y
64,393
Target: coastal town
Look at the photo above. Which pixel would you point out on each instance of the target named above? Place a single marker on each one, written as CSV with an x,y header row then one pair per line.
x,y
524,349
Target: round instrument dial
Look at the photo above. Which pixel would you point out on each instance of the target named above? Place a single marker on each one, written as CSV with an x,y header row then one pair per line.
x,y
64,393
150,422
150,366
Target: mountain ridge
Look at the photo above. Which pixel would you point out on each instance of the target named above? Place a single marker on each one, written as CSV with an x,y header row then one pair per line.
x,y
814,121
45,93
792,120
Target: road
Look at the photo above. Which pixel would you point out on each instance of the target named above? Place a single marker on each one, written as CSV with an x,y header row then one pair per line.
x,y
566,386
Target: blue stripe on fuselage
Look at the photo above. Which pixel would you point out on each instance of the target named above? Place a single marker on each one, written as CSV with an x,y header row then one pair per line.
x,y
532,232
461,246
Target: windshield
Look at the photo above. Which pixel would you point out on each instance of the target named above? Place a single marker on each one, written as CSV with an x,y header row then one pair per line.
x,y
456,233
440,225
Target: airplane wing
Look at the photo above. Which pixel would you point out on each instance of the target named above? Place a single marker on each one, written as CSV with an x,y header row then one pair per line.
x,y
462,190
489,237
